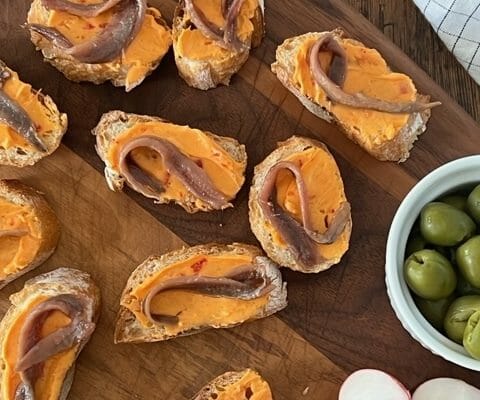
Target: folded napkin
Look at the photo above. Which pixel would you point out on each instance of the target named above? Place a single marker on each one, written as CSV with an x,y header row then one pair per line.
x,y
457,22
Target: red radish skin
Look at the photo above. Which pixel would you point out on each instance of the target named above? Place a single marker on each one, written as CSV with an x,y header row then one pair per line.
x,y
372,384
446,389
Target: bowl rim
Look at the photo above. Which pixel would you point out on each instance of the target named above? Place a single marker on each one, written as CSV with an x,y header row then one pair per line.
x,y
398,293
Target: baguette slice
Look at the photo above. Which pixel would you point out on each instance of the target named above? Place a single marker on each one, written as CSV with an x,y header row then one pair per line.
x,y
241,385
114,124
138,60
51,123
58,282
393,147
208,72
44,228
202,260
326,172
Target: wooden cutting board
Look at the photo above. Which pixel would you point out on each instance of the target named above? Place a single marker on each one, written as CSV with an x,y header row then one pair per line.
x,y
336,322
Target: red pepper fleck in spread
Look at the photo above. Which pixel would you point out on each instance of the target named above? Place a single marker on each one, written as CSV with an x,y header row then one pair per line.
x,y
197,267
88,25
167,179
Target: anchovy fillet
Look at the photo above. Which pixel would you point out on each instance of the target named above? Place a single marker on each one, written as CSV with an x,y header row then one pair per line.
x,y
185,169
332,83
300,238
245,282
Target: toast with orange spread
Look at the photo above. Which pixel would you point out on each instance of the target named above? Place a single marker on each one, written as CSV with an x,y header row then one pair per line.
x,y
297,206
208,286
241,385
213,38
41,335
197,170
122,43
31,127
341,80
29,230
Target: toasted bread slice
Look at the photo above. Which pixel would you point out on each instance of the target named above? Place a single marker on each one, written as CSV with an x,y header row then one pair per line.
x,y
51,124
227,159
326,194
138,61
26,209
241,385
383,135
62,281
204,260
204,64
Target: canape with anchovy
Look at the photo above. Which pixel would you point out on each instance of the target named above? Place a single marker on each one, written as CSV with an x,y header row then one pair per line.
x,y
213,38
29,230
117,40
31,127
192,289
341,80
198,170
41,335
298,208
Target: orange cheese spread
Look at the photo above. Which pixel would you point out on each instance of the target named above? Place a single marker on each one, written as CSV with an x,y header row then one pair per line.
x,y
192,43
250,387
150,45
24,95
49,385
16,252
193,309
225,173
367,73
325,191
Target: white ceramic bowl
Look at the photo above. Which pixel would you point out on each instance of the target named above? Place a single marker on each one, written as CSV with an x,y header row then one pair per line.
x,y
448,178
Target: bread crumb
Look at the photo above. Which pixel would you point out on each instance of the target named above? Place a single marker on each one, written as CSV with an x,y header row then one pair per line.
x,y
305,391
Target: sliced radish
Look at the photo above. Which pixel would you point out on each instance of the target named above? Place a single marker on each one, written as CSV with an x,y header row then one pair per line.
x,y
446,389
372,384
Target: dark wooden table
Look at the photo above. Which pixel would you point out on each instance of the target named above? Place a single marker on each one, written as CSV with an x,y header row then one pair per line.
x,y
336,321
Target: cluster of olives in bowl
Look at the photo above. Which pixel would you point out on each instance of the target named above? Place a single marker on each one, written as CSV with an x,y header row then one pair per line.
x,y
442,268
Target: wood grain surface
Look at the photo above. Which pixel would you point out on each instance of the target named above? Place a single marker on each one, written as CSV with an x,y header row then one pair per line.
x,y
337,321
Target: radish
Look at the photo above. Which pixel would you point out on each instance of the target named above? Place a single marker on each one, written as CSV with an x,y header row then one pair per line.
x,y
372,384
446,389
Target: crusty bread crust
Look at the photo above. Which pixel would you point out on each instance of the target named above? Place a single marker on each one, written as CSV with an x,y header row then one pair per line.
x,y
213,389
282,255
16,192
20,157
396,149
76,71
208,74
129,329
115,123
50,284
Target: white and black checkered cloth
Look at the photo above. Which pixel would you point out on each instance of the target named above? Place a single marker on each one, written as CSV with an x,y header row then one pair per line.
x,y
457,22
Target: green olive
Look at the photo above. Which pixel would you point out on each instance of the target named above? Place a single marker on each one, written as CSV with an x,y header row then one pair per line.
x,y
468,261
415,243
434,311
473,203
464,288
444,225
458,314
471,336
430,275
455,200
